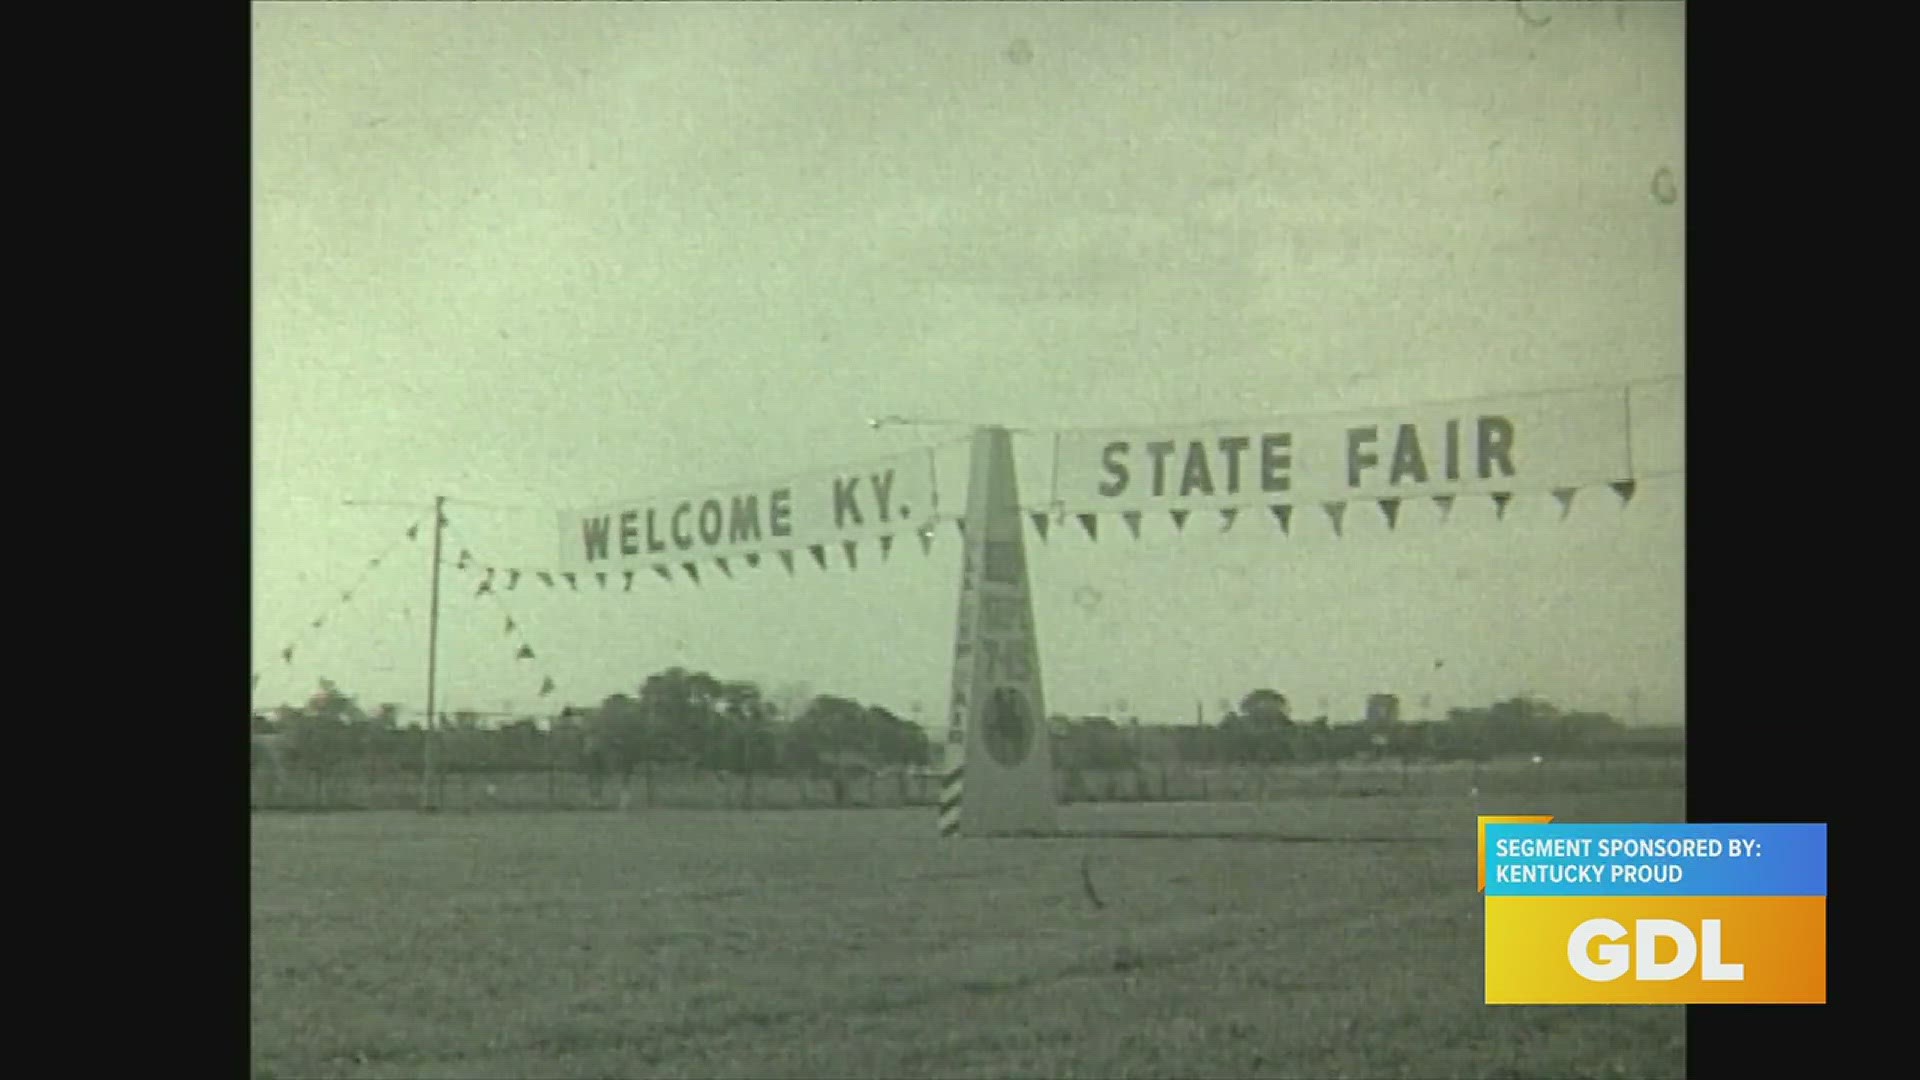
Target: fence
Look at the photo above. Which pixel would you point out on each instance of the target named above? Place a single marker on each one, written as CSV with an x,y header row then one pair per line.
x,y
471,787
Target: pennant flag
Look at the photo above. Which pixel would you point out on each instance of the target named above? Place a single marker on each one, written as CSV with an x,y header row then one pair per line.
x,y
545,578
1624,489
721,562
1283,514
572,582
525,653
629,586
666,575
509,624
1390,509
1179,518
753,560
1565,495
1446,506
546,686
819,553
1227,518
485,587
413,530
1132,518
853,559
1039,522
513,579
926,540
1500,500
787,557
886,546
1337,513
287,654
693,571
1090,524
602,576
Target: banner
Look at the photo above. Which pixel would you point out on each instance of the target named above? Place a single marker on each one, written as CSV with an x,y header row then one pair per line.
x,y
874,500
1557,441
1653,914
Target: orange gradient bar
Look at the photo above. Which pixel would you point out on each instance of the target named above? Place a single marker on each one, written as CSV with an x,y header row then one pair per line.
x,y
1779,944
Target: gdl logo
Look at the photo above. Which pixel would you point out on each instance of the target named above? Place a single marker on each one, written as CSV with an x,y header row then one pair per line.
x,y
1602,950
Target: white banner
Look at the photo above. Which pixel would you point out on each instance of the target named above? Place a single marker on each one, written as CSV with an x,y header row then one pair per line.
x,y
882,498
1529,443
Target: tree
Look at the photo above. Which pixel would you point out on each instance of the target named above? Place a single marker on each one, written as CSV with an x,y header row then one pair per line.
x,y
833,737
1267,707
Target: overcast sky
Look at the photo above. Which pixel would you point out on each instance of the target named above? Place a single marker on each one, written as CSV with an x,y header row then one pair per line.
x,y
551,255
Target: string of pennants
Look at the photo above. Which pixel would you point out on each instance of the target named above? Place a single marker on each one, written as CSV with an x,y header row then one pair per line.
x,y
1335,510
516,635
346,596
495,579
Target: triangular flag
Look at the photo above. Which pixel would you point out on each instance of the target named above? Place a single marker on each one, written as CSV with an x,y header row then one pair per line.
x,y
1283,514
1179,518
629,586
546,686
666,575
525,653
1446,506
1227,518
852,548
886,546
572,582
1565,495
1500,499
692,570
819,553
509,624
721,562
287,654
1039,522
513,579
961,524
1624,489
545,578
753,559
1390,509
1132,518
413,530
1090,524
787,558
602,576
1336,513
485,587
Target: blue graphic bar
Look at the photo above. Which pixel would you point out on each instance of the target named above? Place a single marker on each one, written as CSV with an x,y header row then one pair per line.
x,y
1656,860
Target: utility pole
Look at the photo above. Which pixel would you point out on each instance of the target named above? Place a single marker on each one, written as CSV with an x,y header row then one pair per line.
x,y
433,655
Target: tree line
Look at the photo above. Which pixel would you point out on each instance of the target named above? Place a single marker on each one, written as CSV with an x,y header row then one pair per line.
x,y
681,721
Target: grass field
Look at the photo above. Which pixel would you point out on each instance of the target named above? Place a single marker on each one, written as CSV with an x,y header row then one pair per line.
x,y
687,943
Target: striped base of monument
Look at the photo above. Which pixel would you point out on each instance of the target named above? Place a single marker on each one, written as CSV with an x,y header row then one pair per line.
x,y
950,802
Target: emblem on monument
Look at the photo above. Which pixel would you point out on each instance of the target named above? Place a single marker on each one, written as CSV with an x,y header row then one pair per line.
x,y
1008,727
